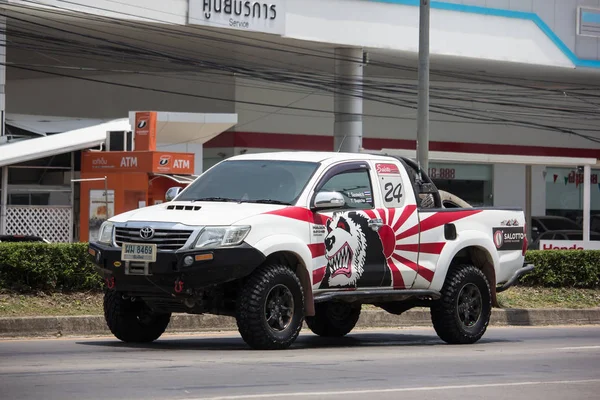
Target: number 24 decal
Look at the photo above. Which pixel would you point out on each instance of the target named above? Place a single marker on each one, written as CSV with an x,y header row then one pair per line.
x,y
393,192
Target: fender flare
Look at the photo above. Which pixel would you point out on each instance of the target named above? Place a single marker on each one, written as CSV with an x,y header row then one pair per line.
x,y
291,244
467,239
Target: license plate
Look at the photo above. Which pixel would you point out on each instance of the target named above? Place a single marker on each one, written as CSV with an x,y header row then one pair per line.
x,y
138,252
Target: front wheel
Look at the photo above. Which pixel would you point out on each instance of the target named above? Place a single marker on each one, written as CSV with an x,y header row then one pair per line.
x,y
270,308
133,321
462,314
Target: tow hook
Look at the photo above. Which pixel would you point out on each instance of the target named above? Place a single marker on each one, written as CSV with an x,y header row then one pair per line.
x,y
110,282
178,286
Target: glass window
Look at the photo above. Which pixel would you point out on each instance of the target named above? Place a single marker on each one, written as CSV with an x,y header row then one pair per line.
x,y
564,192
557,224
471,183
579,236
575,236
18,199
355,186
279,182
39,199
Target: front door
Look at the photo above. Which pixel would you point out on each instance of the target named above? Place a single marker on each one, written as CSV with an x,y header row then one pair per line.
x,y
373,242
353,250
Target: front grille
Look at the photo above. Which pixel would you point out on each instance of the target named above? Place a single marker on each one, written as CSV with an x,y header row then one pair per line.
x,y
165,239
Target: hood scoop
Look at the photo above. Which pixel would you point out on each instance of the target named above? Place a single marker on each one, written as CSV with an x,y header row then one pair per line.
x,y
184,208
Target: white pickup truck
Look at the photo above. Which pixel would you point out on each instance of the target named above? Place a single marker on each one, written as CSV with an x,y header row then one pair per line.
x,y
276,239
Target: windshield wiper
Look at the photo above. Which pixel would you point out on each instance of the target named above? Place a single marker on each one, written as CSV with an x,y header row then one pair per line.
x,y
269,201
215,199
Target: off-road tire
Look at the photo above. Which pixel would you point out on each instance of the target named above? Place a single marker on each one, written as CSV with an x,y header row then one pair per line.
x,y
462,282
132,321
334,319
255,302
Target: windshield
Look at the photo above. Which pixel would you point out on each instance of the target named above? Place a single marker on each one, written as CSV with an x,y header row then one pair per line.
x,y
268,181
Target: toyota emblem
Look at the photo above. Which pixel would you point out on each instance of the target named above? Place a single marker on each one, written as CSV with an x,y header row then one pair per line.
x,y
147,232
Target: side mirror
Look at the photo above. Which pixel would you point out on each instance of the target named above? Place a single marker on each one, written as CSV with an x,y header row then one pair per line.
x,y
172,193
329,200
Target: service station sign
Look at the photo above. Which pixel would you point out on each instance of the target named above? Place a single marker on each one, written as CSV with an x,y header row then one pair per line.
x,y
247,15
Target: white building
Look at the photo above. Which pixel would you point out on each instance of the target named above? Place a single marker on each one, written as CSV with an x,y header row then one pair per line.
x,y
507,77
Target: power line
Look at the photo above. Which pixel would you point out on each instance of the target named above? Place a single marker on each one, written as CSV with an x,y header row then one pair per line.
x,y
326,84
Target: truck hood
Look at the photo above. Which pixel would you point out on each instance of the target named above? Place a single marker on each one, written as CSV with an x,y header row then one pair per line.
x,y
209,213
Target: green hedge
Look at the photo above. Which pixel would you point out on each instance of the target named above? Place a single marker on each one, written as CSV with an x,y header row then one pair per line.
x,y
563,268
30,267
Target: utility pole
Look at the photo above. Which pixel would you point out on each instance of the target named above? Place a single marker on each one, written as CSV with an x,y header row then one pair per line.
x,y
423,88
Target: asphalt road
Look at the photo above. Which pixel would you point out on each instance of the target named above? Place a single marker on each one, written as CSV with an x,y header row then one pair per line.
x,y
520,363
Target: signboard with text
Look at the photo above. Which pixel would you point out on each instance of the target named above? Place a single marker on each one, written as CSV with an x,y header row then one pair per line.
x,y
588,21
463,172
138,161
569,245
247,15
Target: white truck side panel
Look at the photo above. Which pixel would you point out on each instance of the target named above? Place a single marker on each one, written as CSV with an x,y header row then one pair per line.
x,y
469,238
475,230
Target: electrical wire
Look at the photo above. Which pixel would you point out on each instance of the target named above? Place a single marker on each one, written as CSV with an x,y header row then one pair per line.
x,y
384,94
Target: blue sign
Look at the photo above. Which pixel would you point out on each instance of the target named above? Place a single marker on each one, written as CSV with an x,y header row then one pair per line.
x,y
588,22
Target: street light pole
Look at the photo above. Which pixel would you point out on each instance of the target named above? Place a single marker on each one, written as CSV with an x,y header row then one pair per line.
x,y
423,87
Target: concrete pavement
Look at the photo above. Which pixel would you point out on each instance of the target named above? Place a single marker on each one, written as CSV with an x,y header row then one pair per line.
x,y
553,363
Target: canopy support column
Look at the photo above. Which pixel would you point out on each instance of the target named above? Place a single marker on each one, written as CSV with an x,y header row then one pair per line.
x,y
587,178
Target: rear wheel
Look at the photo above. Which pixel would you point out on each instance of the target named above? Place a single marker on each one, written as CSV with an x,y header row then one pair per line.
x,y
334,319
270,308
133,321
462,314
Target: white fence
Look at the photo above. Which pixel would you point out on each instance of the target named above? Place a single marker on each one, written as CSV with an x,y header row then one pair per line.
x,y
53,223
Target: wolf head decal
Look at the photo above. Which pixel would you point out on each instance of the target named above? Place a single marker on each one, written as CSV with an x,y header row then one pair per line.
x,y
354,253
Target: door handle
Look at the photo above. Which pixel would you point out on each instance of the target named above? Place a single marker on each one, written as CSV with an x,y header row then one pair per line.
x,y
375,223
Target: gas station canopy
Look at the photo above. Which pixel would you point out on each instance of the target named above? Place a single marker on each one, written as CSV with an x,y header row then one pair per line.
x,y
478,158
178,127
45,146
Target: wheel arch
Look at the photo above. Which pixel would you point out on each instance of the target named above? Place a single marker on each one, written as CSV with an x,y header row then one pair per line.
x,y
290,251
482,259
475,251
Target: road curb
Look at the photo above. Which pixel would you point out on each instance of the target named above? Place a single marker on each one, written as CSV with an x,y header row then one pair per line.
x,y
95,325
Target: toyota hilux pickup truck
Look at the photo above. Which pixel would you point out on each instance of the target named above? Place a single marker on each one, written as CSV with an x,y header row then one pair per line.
x,y
277,239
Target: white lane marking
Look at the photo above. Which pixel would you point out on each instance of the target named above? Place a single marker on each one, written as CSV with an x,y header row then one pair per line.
x,y
579,348
394,390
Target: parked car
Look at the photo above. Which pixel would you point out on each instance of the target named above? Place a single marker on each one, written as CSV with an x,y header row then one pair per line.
x,y
541,224
21,238
561,235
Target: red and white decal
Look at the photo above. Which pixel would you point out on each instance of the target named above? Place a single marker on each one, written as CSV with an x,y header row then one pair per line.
x,y
399,237
386,169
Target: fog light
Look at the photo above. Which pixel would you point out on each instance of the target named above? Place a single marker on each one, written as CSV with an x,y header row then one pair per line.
x,y
188,260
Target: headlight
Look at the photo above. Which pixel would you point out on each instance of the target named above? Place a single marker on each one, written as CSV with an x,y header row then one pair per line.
x,y
106,233
217,236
